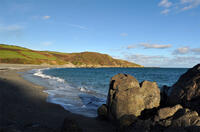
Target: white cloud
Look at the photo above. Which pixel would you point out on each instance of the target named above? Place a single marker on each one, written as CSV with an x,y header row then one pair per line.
x,y
131,46
196,50
163,61
146,60
178,6
46,17
154,46
11,28
47,43
40,17
165,11
124,34
149,46
78,26
165,3
186,50
189,4
182,50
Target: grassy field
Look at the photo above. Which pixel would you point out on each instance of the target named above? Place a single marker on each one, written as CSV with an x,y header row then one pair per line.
x,y
20,55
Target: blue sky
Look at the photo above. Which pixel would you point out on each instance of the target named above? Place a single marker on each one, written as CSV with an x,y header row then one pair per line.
x,y
162,33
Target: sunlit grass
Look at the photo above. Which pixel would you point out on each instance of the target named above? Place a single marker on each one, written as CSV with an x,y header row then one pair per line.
x,y
4,54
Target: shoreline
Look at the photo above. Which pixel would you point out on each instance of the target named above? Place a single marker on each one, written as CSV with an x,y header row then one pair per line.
x,y
24,105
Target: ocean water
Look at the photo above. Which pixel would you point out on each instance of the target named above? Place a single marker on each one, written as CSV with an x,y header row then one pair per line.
x,y
83,90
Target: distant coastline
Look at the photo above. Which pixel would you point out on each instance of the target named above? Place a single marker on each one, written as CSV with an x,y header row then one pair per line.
x,y
11,54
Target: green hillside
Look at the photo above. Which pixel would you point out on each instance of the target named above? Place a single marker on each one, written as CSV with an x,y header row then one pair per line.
x,y
19,55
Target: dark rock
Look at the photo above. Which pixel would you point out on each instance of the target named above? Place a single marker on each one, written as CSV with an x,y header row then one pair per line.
x,y
182,118
175,129
127,97
102,111
148,114
193,129
127,120
10,129
164,96
189,118
137,125
187,88
165,122
70,126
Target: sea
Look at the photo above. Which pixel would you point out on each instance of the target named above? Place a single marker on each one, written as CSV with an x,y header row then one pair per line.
x,y
83,90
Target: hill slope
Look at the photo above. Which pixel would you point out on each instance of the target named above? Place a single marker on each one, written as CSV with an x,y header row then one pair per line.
x,y
19,55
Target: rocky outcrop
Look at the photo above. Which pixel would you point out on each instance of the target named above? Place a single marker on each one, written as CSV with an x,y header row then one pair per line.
x,y
102,111
127,97
140,107
183,118
186,118
187,88
167,112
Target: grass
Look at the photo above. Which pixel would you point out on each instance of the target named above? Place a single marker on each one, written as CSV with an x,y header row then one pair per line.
x,y
4,54
20,55
35,55
12,47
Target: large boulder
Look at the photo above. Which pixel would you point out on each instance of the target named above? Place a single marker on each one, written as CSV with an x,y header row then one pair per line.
x,y
127,97
187,88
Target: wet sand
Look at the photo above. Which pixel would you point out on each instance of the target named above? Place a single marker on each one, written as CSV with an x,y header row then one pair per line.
x,y
23,106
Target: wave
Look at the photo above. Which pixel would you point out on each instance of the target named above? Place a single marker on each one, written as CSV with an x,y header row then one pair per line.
x,y
83,89
77,99
40,73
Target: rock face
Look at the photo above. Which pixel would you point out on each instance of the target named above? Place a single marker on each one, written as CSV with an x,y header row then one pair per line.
x,y
188,118
187,88
102,111
127,97
177,117
168,111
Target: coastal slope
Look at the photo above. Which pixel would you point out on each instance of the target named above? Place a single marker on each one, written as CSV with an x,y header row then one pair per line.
x,y
18,55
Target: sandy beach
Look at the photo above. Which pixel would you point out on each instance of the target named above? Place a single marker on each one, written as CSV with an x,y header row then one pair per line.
x,y
23,106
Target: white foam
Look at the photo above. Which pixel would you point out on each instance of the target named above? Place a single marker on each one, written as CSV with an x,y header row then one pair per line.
x,y
62,93
82,89
40,73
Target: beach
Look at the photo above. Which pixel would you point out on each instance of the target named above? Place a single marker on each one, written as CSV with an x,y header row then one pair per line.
x,y
23,105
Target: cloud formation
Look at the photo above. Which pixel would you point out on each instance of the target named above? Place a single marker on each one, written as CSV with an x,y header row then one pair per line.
x,y
154,46
196,50
182,50
165,11
78,26
124,34
165,3
11,28
178,6
186,50
46,17
163,61
189,4
149,46
40,17
131,46
47,43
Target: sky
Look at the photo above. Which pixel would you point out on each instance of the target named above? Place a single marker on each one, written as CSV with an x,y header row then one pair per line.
x,y
153,33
